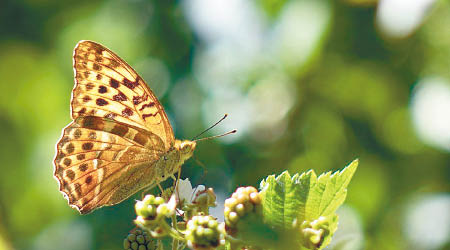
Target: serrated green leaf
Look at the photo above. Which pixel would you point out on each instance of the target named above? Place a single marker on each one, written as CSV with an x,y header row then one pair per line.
x,y
283,199
304,197
332,189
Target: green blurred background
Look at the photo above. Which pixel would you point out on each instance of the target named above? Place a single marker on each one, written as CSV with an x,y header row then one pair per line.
x,y
309,84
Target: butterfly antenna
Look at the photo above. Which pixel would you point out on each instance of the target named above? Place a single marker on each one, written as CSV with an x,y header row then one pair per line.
x,y
206,130
217,136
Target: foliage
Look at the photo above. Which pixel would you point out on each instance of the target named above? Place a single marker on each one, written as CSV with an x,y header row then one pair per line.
x,y
297,212
308,84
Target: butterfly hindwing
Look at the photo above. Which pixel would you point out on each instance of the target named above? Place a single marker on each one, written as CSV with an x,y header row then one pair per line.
x,y
98,158
106,86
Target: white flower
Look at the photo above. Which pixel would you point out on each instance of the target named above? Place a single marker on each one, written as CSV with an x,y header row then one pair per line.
x,y
185,192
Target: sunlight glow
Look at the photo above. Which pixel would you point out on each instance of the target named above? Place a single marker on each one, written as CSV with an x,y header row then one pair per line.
x,y
430,107
427,221
399,18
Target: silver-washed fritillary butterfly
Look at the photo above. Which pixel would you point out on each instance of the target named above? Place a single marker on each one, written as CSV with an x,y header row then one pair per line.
x,y
120,140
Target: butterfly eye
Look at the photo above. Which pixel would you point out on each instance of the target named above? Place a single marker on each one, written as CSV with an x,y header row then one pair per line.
x,y
187,146
184,147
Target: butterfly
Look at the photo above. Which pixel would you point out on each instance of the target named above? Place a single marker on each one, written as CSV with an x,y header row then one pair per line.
x,y
120,140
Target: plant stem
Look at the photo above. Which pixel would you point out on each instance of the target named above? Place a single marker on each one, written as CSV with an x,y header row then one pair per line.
x,y
159,245
234,243
175,241
175,244
172,232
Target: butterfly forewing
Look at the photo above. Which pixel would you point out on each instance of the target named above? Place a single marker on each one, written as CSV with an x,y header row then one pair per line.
x,y
106,86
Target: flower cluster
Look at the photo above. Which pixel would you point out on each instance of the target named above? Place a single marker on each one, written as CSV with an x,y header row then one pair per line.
x,y
197,230
244,201
313,232
151,213
204,232
184,217
139,240
195,201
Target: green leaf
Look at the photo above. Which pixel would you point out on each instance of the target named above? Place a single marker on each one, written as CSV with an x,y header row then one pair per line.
x,y
331,191
293,200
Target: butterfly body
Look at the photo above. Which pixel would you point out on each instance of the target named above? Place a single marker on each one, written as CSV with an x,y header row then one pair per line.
x,y
170,162
120,140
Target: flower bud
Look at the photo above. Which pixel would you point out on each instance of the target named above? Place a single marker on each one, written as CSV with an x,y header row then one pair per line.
x,y
204,232
139,240
244,201
314,232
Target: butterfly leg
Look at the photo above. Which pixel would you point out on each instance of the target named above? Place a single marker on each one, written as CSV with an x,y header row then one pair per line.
x,y
176,183
160,188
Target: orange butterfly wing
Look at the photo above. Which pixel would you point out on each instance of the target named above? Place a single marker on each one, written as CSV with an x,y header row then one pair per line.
x,y
119,132
102,162
106,86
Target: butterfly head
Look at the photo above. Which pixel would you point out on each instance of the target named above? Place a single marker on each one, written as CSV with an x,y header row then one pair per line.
x,y
186,148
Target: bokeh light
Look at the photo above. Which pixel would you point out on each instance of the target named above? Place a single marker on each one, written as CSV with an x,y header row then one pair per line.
x,y
399,18
427,221
430,106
